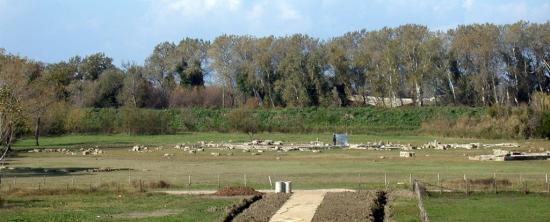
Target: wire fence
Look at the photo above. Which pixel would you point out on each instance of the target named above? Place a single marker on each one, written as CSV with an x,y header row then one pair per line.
x,y
133,179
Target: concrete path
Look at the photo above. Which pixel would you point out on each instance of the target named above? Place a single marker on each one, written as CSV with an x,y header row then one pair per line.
x,y
301,206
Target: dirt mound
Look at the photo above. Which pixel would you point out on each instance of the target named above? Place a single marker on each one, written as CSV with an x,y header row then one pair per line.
x,y
349,206
237,191
263,209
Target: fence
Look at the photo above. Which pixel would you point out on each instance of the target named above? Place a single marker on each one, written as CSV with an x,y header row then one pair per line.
x,y
179,179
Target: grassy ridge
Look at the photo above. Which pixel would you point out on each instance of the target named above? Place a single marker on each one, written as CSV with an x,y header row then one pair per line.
x,y
404,120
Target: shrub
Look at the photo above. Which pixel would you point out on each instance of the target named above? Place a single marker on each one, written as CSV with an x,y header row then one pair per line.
x,y
543,130
499,122
540,102
243,120
74,121
188,120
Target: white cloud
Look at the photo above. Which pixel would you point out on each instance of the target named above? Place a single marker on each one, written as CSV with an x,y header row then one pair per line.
x,y
192,8
468,4
288,12
256,13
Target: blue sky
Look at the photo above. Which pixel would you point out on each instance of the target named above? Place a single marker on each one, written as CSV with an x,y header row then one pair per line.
x,y
127,30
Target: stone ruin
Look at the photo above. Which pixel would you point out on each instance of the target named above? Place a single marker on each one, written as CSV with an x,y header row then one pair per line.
x,y
442,146
84,151
504,155
381,145
91,151
406,154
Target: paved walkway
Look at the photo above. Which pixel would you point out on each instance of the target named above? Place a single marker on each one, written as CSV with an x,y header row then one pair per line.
x,y
301,206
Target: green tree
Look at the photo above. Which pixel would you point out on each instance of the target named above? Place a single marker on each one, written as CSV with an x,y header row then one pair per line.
x,y
135,87
94,65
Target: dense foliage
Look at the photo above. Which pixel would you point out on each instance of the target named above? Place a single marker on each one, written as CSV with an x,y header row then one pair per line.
x,y
478,65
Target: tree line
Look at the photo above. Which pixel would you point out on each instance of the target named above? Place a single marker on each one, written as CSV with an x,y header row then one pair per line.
x,y
473,65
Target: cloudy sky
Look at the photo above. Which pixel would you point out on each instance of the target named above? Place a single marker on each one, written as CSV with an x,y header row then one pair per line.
x,y
127,30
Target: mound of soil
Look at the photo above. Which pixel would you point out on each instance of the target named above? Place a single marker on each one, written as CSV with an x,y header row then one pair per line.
x,y
263,209
347,206
237,191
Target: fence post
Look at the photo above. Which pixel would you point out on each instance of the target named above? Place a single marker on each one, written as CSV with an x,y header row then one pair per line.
x,y
270,182
466,185
189,181
359,182
245,180
439,184
218,181
44,180
495,182
520,182
129,178
411,181
385,181
72,182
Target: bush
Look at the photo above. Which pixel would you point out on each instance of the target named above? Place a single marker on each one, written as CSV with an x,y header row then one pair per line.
x,y
540,102
75,120
243,120
499,122
145,121
543,130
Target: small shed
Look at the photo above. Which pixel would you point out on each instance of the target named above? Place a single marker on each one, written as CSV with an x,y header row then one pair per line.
x,y
340,139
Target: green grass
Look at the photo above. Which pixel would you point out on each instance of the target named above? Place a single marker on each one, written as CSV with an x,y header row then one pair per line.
x,y
488,207
108,206
402,206
329,169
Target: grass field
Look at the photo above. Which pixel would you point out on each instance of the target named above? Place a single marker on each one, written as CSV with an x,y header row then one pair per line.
x,y
354,169
402,206
329,169
109,206
488,207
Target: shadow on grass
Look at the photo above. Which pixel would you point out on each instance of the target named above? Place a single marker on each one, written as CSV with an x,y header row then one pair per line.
x,y
22,203
39,171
